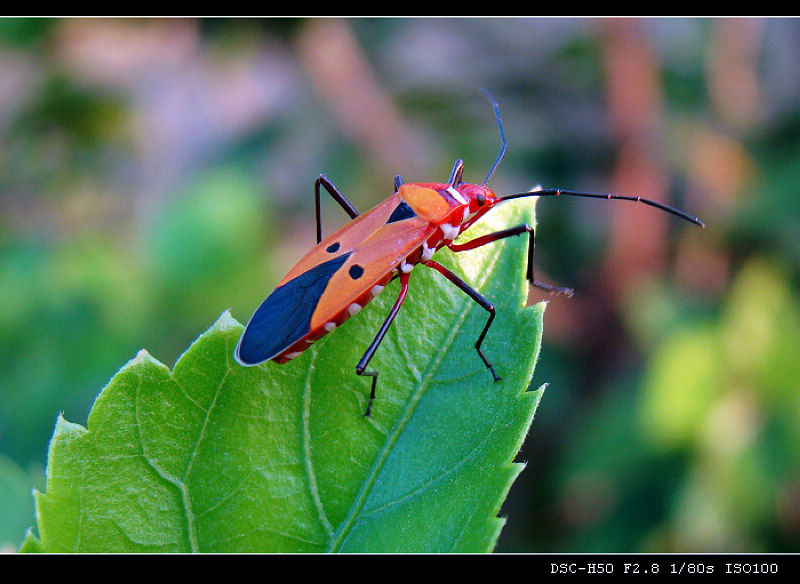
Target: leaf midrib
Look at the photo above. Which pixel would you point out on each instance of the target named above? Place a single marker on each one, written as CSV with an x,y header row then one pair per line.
x,y
350,520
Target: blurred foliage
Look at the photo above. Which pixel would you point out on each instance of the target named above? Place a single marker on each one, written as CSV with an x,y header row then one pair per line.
x,y
156,172
16,505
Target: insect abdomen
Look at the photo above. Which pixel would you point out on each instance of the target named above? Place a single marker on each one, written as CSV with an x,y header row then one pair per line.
x,y
285,316
332,323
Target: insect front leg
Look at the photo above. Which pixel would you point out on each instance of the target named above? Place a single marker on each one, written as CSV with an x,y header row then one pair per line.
x,y
337,196
482,302
518,230
361,368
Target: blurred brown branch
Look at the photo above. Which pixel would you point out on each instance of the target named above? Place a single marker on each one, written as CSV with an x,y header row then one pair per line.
x,y
344,80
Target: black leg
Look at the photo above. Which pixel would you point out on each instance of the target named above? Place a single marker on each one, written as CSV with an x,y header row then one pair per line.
x,y
518,230
483,302
398,182
338,197
361,368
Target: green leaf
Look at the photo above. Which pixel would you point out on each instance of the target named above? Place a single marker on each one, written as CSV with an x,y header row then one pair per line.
x,y
215,457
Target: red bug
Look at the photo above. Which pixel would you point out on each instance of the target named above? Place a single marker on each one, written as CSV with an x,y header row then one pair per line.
x,y
343,272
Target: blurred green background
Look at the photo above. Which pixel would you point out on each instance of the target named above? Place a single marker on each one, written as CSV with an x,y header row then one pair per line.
x,y
154,173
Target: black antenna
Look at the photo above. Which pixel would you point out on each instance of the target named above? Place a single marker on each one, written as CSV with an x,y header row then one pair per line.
x,y
559,192
504,145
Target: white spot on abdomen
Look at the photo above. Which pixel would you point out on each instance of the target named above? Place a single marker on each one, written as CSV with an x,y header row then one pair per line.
x,y
427,252
449,231
353,309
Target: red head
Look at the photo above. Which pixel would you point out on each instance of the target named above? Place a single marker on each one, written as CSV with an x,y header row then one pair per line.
x,y
449,205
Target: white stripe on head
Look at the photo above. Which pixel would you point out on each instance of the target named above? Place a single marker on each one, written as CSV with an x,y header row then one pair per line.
x,y
456,195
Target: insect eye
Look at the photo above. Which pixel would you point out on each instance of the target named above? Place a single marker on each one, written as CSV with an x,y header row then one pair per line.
x,y
481,200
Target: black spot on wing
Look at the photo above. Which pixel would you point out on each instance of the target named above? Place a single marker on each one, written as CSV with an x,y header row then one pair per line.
x,y
333,248
356,271
402,211
285,316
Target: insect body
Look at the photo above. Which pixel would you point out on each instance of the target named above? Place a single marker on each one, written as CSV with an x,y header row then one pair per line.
x,y
339,276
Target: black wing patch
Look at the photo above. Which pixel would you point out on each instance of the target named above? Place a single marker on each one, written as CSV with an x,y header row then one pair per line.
x,y
403,211
285,316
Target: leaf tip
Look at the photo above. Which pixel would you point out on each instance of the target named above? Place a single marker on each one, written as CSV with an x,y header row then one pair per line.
x,y
64,427
31,544
226,321
142,361
142,358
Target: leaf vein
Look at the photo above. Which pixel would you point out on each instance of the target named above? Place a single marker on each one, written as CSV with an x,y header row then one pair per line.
x,y
432,481
308,464
187,503
172,481
345,528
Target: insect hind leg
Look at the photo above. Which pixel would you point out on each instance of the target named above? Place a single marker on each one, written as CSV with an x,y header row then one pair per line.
x,y
361,368
482,302
374,374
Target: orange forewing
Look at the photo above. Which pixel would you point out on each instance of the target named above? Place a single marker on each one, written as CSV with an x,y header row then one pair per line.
x,y
348,237
425,201
378,255
374,245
